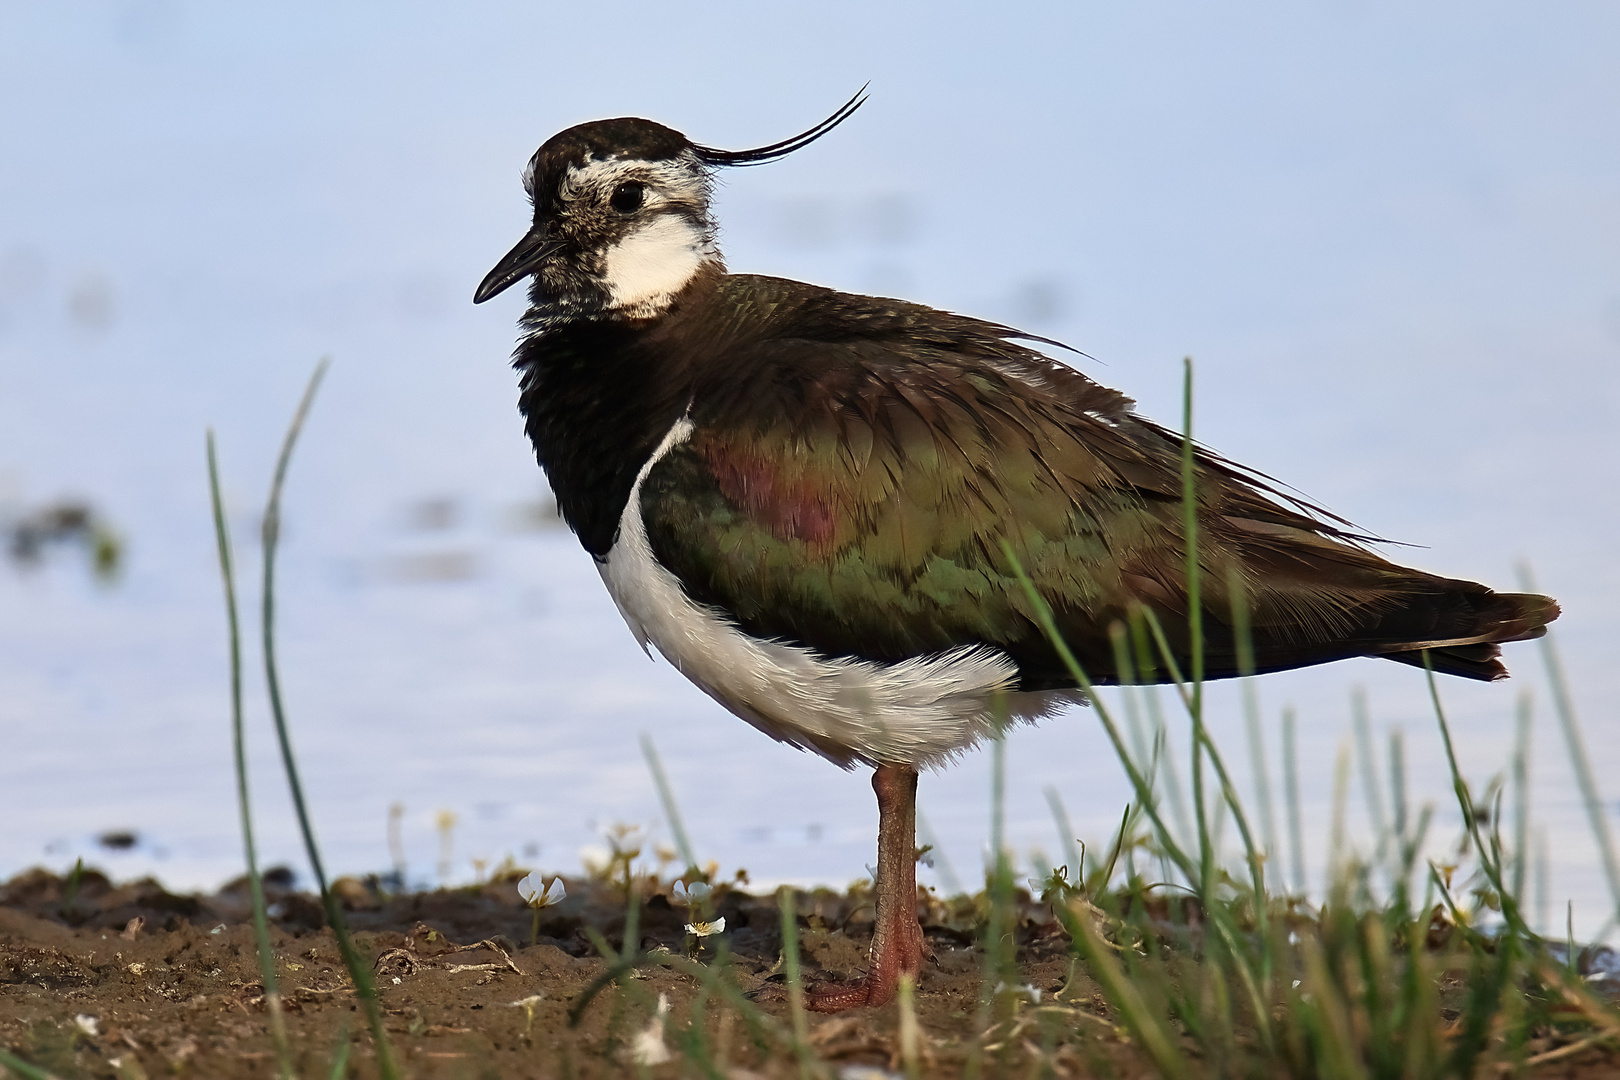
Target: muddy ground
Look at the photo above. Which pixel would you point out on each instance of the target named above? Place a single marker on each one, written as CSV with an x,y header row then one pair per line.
x,y
106,980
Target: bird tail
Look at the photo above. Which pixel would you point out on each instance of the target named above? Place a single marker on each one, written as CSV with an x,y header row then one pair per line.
x,y
1498,618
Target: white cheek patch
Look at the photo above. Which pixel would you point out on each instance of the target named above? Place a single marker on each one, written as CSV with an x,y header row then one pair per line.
x,y
648,267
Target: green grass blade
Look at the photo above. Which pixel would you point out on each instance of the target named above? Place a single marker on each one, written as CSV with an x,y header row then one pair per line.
x,y
1337,856
909,1034
942,862
244,801
1543,896
1398,802
1163,773
1200,874
1129,692
1521,795
1066,838
359,973
713,979
1148,757
786,902
677,827
1106,874
1326,1012
1189,523
340,1057
1195,631
1229,795
1579,760
1195,623
1142,1020
1491,866
1296,830
632,914
1000,950
1253,727
22,1068
666,795
1172,667
1144,791
1367,764
998,785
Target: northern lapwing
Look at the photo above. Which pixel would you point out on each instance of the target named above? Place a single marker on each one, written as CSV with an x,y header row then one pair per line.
x,y
806,499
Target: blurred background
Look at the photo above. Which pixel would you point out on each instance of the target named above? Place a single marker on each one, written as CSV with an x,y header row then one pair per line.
x,y
1388,234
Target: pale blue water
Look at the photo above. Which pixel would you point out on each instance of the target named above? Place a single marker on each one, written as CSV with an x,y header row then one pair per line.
x,y
1389,235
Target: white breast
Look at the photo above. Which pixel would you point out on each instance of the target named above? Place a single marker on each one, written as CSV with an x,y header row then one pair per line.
x,y
921,711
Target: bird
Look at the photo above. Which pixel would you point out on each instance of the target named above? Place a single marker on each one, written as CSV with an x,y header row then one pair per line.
x,y
818,505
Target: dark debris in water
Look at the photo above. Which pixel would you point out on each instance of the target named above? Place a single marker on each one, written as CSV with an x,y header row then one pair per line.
x,y
1599,965
32,534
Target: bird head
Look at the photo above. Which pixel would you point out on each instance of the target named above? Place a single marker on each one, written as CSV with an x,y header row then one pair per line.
x,y
622,220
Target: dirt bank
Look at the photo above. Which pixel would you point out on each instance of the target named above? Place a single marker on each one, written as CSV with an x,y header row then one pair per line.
x,y
129,980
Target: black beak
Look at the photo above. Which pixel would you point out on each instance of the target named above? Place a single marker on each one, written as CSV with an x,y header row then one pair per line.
x,y
517,264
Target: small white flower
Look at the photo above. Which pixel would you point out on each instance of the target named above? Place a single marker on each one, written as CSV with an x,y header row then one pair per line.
x,y
596,859
537,894
86,1024
1027,990
527,1005
648,1047
706,929
687,895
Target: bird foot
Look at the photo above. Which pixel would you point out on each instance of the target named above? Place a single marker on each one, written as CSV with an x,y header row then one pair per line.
x,y
900,952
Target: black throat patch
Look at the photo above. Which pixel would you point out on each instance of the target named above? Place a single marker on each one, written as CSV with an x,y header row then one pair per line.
x,y
599,395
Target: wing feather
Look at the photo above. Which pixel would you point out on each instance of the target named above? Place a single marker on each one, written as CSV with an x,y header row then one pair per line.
x,y
849,485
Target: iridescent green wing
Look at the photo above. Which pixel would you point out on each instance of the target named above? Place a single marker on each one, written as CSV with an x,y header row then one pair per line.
x,y
853,491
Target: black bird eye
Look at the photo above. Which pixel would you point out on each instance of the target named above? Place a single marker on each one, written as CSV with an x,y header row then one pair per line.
x,y
628,197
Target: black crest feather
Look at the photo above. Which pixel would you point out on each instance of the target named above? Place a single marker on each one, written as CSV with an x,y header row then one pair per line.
x,y
760,155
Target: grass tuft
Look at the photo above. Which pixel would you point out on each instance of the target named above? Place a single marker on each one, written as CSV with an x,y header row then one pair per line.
x,y
1229,980
359,970
244,802
1211,968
